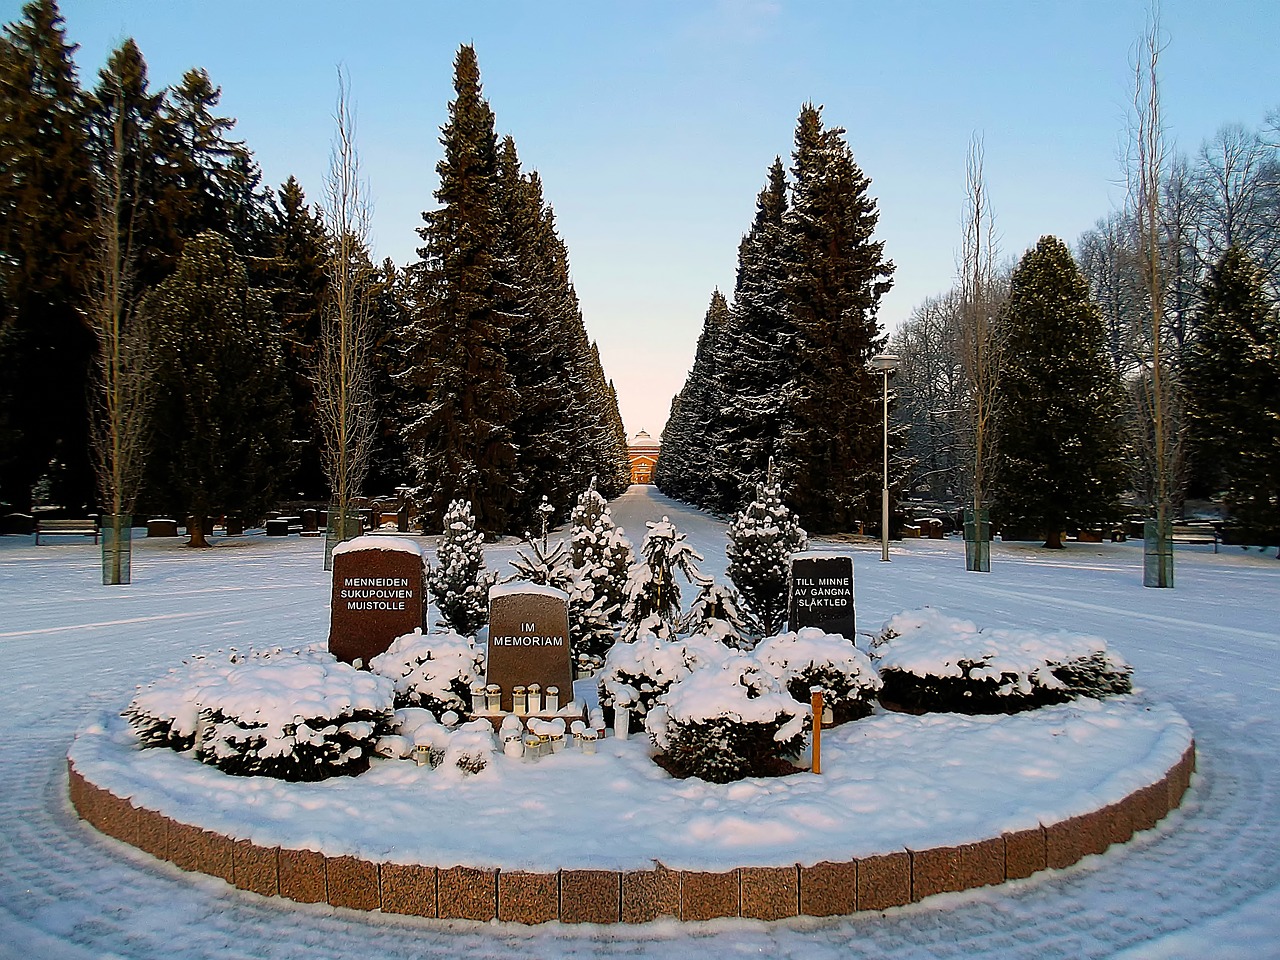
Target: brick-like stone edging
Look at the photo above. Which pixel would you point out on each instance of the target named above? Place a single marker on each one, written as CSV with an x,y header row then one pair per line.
x,y
633,896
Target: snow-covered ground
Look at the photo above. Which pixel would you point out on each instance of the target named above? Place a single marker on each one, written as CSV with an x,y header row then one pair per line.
x,y
1206,883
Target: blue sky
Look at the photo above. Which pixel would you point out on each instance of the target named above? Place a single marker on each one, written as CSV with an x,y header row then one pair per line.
x,y
653,122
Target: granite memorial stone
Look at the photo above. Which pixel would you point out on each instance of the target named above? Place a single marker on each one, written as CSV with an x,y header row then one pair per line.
x,y
379,593
821,593
529,640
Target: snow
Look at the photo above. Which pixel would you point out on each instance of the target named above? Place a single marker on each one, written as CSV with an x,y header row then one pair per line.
x,y
519,586
1205,883
375,542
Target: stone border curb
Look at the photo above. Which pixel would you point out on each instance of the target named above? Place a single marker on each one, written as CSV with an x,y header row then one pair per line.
x,y
891,879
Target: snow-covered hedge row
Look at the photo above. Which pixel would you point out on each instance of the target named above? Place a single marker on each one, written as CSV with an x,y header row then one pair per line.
x,y
434,671
934,663
292,714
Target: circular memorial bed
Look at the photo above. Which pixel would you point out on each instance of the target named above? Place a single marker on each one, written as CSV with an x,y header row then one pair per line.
x,y
906,807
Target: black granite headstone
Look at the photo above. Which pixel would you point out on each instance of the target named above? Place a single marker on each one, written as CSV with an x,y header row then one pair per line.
x,y
821,593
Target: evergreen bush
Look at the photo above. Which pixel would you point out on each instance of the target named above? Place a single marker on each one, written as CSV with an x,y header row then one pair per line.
x,y
933,663
727,721
293,715
434,671
635,674
810,658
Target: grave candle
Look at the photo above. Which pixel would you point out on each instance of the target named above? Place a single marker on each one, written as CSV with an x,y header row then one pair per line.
x,y
535,698
519,701
553,699
493,698
477,698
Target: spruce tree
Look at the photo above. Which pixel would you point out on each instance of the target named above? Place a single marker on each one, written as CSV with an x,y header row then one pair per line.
x,y
1233,393
758,361
459,582
653,592
686,467
222,413
46,220
297,285
457,426
829,458
762,539
600,550
1059,401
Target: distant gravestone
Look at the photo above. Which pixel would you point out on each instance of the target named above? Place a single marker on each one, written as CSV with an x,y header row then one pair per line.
x,y
821,593
529,639
379,593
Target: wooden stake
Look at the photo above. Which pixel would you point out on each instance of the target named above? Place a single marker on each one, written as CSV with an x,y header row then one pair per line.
x,y
815,703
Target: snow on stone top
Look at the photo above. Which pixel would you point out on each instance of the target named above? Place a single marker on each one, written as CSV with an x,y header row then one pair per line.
x,y
374,542
522,586
820,555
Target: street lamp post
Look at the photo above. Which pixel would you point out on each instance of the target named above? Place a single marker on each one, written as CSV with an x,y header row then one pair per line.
x,y
886,363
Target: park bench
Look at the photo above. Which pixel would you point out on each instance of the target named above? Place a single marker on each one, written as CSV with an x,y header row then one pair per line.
x,y
1196,533
67,528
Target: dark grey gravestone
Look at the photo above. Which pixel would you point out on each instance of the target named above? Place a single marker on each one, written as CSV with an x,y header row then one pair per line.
x,y
821,593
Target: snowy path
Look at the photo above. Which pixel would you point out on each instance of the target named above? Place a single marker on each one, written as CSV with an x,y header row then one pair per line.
x,y
1206,883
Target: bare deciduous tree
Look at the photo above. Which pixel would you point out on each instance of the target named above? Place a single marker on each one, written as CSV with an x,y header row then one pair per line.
x,y
979,337
1155,385
124,392
344,372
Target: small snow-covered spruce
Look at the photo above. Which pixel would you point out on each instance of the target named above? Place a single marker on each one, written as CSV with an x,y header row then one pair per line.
x,y
727,721
933,663
652,588
601,552
460,583
761,540
635,674
293,715
591,630
714,613
434,671
810,658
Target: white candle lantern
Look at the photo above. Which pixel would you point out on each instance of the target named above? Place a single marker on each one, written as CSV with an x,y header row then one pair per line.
x,y
535,699
519,701
552,703
477,698
493,698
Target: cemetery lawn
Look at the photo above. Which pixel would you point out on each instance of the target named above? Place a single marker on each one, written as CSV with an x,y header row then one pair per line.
x,y
1205,883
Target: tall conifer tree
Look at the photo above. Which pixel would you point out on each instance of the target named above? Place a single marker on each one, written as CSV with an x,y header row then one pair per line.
x,y
46,221
831,440
1233,392
1059,401
758,363
457,426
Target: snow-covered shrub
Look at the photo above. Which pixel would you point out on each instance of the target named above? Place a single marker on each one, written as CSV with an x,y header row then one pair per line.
x,y
811,658
930,662
295,715
635,674
459,583
432,670
652,588
414,727
761,540
727,721
600,552
470,747
714,613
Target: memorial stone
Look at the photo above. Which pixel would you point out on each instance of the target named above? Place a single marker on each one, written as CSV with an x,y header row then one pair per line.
x,y
821,593
379,593
529,639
